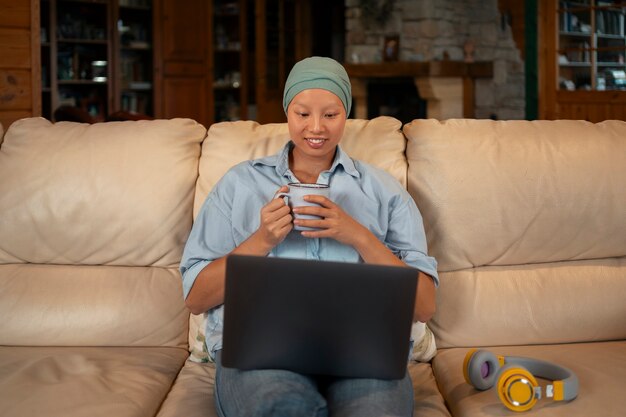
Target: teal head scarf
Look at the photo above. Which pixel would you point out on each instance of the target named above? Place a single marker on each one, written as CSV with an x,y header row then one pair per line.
x,y
318,72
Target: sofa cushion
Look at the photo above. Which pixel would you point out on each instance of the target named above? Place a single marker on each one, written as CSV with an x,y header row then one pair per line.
x,y
557,302
1,134
117,193
519,192
67,382
62,305
192,393
600,368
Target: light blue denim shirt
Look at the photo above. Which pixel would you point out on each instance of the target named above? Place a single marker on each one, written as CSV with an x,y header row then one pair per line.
x,y
231,213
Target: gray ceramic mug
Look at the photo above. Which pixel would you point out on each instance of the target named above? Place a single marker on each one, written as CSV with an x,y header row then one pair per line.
x,y
295,198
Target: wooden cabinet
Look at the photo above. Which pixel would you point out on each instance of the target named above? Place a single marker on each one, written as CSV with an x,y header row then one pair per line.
x,y
201,71
221,60
583,60
96,56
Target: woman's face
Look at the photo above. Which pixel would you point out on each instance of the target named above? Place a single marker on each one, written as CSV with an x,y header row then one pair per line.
x,y
316,120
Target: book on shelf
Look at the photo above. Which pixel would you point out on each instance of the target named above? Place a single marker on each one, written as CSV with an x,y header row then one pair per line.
x,y
140,85
136,102
609,22
578,52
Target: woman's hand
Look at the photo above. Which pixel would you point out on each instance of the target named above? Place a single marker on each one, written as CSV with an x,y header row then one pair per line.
x,y
334,223
208,290
337,224
276,222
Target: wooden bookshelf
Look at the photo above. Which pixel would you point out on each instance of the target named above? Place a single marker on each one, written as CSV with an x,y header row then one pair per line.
x,y
96,55
582,65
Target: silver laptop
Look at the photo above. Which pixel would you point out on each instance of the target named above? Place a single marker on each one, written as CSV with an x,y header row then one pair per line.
x,y
318,318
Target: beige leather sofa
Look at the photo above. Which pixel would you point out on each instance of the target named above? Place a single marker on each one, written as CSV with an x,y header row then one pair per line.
x,y
526,219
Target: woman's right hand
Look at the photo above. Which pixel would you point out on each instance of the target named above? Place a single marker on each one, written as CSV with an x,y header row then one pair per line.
x,y
276,221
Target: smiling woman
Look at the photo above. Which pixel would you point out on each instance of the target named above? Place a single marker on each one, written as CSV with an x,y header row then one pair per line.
x,y
317,101
316,120
367,216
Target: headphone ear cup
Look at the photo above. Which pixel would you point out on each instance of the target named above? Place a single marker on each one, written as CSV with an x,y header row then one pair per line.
x,y
480,369
516,386
466,360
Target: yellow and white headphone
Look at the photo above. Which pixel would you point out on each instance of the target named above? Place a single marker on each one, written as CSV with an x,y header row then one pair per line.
x,y
514,378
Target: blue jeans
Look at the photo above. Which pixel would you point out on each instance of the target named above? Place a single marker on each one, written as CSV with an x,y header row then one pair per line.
x,y
284,393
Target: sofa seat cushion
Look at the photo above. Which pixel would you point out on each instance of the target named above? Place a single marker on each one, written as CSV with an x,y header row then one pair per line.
x,y
600,368
66,382
192,393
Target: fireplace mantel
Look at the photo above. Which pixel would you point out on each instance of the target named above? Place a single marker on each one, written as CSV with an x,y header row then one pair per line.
x,y
448,86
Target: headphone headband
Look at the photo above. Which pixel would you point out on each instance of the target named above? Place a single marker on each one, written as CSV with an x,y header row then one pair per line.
x,y
551,371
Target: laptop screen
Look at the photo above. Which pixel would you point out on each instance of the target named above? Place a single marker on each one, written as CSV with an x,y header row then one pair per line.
x,y
317,317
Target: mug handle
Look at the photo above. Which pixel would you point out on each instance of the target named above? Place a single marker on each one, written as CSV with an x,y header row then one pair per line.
x,y
282,195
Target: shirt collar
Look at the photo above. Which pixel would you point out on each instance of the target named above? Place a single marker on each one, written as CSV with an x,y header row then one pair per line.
x,y
280,161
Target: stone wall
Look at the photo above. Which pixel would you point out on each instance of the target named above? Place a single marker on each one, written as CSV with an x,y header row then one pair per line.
x,y
440,29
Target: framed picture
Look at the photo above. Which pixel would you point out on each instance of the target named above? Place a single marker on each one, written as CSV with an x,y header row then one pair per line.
x,y
391,48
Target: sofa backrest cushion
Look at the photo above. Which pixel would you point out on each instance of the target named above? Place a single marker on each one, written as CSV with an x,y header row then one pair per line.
x,y
519,192
378,141
118,193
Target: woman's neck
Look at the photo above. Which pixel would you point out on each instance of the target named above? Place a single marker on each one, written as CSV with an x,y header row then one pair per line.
x,y
306,168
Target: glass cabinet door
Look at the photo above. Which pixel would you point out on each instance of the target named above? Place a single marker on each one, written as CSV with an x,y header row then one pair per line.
x,y
591,45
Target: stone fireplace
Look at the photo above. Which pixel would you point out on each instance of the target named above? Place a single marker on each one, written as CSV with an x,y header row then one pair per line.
x,y
461,54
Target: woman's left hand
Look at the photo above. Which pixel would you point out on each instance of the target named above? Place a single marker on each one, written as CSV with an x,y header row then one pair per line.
x,y
334,223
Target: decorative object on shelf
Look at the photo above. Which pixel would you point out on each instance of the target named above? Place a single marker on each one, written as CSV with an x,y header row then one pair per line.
x,y
469,49
391,48
567,84
99,71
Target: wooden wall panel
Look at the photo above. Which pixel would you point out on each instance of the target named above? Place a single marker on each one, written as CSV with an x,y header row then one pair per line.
x,y
20,63
15,89
15,13
594,106
184,24
182,59
15,48
186,97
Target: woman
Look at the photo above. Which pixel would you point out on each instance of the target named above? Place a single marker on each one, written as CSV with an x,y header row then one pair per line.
x,y
369,218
